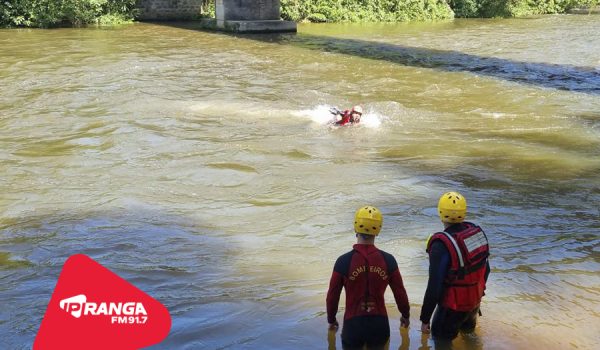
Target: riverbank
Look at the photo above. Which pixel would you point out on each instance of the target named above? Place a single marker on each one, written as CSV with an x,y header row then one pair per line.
x,y
55,13
585,11
426,10
66,13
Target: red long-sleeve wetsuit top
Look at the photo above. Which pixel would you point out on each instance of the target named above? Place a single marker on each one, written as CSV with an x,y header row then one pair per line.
x,y
365,292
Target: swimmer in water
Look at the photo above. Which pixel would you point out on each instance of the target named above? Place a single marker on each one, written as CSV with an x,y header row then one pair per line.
x,y
347,117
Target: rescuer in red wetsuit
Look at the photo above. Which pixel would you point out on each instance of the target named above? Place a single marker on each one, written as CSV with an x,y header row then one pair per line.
x,y
364,273
458,271
348,117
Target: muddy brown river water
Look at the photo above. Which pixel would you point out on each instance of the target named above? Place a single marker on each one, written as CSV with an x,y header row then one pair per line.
x,y
198,166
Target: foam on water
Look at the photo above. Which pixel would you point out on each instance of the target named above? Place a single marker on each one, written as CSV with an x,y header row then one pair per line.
x,y
321,115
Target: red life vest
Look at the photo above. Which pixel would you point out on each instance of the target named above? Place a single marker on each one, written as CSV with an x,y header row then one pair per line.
x,y
346,118
465,282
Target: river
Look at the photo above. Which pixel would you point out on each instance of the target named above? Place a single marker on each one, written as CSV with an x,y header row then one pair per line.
x,y
198,166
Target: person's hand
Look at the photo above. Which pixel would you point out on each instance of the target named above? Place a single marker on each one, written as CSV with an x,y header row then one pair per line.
x,y
334,326
425,328
404,322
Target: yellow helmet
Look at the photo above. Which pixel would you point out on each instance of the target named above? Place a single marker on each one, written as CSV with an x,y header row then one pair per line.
x,y
452,207
368,220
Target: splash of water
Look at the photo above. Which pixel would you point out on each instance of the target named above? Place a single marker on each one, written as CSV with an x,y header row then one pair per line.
x,y
372,120
321,115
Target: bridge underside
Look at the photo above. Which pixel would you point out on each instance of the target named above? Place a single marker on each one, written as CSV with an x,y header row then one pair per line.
x,y
247,16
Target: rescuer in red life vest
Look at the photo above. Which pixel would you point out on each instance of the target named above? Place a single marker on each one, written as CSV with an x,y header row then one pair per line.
x,y
347,117
458,271
365,273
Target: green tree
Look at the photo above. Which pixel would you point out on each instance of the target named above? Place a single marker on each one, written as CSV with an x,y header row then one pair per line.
x,y
48,13
364,10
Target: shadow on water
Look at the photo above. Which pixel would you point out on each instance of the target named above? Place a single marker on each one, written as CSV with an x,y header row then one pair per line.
x,y
553,76
174,259
198,272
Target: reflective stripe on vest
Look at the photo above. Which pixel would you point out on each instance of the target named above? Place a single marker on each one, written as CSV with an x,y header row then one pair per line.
x,y
458,252
476,241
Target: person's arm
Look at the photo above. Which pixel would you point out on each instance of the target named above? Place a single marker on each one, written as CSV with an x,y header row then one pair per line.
x,y
439,263
345,118
397,287
333,297
400,295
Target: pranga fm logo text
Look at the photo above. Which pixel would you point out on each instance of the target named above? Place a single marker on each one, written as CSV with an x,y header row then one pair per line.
x,y
128,312
93,308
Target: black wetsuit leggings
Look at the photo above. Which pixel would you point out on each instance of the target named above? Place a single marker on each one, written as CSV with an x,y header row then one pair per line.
x,y
447,323
373,331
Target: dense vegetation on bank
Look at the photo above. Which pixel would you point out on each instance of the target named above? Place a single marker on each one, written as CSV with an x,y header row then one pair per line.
x,y
515,8
403,10
364,10
49,13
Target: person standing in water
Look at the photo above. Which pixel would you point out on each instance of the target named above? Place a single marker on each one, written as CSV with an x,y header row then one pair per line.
x,y
458,272
364,273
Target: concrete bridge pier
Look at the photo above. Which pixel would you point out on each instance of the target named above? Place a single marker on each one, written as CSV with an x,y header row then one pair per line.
x,y
251,16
